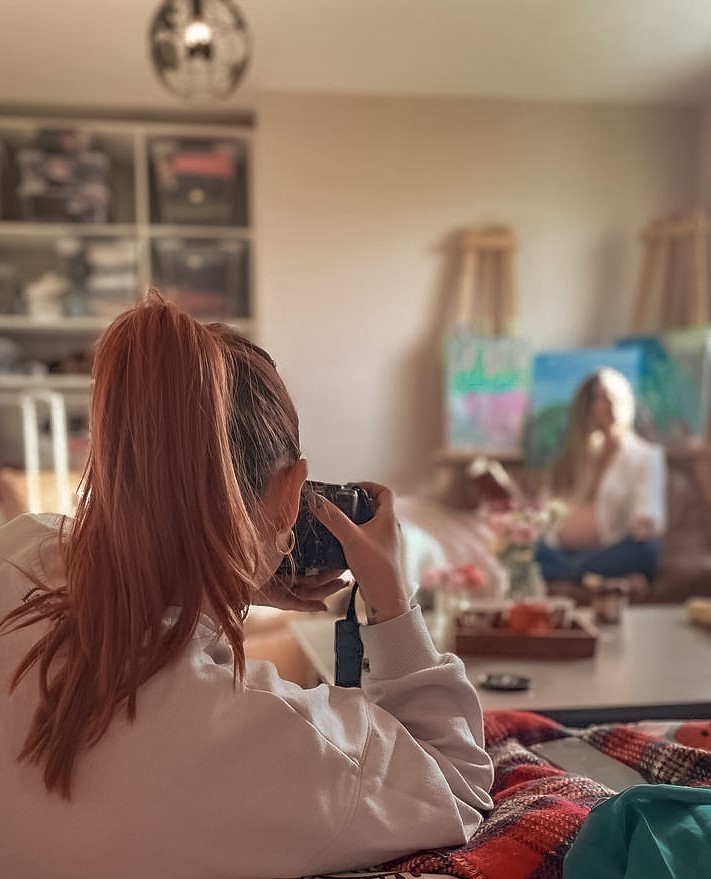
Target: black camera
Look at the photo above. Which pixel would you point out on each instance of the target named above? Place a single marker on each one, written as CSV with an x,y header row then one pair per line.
x,y
316,548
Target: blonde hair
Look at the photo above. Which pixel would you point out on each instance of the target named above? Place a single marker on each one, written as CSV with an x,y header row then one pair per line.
x,y
570,463
187,424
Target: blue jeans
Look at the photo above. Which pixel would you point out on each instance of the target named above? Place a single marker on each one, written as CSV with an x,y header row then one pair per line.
x,y
629,556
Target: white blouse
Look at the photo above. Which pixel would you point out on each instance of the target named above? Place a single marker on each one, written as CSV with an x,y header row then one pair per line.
x,y
633,485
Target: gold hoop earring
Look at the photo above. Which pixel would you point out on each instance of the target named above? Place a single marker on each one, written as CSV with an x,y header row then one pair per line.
x,y
290,540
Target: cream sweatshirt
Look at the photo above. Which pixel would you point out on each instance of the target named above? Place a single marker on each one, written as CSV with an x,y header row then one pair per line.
x,y
266,780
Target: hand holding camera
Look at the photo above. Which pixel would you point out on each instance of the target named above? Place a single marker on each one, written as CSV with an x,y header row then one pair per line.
x,y
316,548
316,569
373,551
302,592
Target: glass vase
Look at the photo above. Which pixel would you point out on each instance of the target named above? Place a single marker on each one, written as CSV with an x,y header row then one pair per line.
x,y
523,581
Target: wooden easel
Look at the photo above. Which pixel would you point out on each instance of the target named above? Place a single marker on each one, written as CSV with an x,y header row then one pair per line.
x,y
485,303
673,293
486,294
673,288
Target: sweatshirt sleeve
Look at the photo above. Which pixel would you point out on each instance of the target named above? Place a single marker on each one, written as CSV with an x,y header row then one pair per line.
x,y
424,775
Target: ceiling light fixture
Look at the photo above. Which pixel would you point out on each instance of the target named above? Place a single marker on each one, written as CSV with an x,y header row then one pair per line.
x,y
200,49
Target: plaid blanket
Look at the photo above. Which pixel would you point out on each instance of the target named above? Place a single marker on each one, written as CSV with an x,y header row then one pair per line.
x,y
538,809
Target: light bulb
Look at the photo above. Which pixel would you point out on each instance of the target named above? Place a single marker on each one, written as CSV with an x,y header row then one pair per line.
x,y
197,33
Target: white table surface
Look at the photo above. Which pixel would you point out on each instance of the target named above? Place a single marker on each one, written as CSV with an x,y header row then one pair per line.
x,y
654,665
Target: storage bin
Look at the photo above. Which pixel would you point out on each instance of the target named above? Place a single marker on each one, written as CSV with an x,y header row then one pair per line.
x,y
110,293
9,289
111,255
200,182
44,297
82,203
53,168
109,305
209,279
62,140
10,355
61,183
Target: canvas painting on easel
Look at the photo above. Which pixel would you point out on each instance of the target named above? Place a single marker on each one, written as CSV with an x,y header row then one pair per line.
x,y
556,375
486,392
675,384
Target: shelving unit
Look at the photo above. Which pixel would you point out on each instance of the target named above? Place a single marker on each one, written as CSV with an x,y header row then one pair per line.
x,y
31,248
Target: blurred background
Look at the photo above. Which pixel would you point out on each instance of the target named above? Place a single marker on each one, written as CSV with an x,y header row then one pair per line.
x,y
317,206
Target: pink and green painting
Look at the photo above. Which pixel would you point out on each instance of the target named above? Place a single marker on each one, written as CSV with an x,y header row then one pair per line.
x,y
486,392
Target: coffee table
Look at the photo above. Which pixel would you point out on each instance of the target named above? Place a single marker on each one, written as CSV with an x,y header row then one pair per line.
x,y
654,665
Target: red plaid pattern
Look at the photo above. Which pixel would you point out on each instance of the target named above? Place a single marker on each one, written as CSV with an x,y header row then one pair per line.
x,y
538,809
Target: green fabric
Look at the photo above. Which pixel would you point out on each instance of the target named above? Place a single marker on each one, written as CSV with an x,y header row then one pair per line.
x,y
651,831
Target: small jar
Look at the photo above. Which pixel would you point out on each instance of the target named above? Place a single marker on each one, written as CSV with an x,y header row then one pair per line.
x,y
608,598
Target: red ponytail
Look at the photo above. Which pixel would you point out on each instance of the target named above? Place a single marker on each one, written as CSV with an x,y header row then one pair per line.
x,y
165,518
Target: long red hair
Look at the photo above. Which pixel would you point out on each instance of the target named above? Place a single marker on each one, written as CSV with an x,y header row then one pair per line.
x,y
187,423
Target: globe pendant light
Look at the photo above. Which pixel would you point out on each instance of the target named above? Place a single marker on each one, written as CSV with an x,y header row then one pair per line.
x,y
200,48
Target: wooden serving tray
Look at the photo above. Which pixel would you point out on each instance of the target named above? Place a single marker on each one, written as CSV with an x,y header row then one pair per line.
x,y
576,642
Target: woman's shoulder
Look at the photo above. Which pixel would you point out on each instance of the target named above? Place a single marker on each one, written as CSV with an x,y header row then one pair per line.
x,y
27,528
640,445
638,449
29,545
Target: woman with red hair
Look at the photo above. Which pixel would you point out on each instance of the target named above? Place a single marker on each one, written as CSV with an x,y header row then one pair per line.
x,y
135,740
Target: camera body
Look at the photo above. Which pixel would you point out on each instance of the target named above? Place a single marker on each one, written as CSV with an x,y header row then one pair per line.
x,y
316,548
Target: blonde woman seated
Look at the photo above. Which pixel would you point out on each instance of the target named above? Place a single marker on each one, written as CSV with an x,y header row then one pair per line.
x,y
614,485
135,740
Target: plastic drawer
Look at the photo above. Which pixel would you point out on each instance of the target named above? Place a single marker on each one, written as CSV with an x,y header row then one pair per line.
x,y
199,183
209,279
85,203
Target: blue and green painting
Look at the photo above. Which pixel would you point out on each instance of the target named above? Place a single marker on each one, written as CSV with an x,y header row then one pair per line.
x,y
556,375
675,384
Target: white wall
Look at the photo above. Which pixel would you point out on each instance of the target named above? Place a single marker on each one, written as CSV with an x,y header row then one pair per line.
x,y
704,161
355,199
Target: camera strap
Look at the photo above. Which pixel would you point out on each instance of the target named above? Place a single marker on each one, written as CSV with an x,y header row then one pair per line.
x,y
348,647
